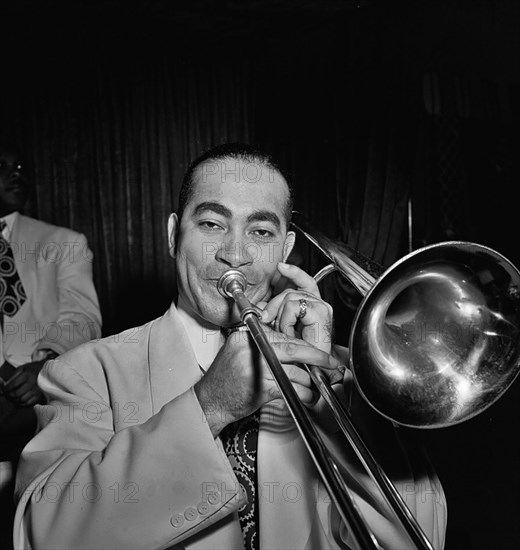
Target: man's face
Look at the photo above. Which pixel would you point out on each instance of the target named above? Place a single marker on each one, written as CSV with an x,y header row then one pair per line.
x,y
14,189
234,220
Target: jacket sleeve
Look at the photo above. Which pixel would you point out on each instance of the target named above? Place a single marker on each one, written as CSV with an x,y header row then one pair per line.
x,y
79,315
81,484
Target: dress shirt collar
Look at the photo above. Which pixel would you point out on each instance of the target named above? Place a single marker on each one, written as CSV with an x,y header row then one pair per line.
x,y
9,220
205,340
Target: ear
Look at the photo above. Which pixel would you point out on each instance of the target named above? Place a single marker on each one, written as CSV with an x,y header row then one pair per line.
x,y
290,239
173,229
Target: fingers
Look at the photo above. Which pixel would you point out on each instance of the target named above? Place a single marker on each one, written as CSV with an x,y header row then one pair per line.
x,y
240,364
302,384
13,382
317,315
16,381
306,395
341,352
308,291
22,388
31,401
289,351
331,367
27,397
312,319
20,391
299,278
295,350
336,376
297,375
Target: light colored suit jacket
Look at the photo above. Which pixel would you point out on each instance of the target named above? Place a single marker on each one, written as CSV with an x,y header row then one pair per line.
x,y
62,309
125,459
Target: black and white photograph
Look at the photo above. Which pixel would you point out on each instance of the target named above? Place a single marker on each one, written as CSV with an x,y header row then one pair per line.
x,y
259,277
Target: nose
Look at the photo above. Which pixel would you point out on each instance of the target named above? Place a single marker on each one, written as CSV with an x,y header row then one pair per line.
x,y
234,253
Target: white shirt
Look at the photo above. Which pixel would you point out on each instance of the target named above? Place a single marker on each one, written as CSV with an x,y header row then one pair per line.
x,y
9,220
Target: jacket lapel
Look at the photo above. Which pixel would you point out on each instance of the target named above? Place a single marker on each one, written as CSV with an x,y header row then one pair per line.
x,y
173,366
173,369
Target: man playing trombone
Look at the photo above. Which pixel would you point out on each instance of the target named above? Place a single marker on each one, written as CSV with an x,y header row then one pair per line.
x,y
175,434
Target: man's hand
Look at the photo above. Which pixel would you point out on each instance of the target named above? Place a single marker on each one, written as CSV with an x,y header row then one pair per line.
x,y
239,380
283,311
22,388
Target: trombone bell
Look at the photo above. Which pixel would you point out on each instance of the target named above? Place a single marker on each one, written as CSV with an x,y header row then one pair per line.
x,y
435,341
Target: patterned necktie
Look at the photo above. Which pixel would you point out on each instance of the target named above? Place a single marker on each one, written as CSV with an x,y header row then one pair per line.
x,y
240,441
12,292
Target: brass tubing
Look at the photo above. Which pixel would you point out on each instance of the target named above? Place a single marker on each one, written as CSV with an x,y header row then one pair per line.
x,y
370,464
231,285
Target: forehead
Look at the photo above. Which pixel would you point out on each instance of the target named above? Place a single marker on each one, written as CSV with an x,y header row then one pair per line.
x,y
6,154
245,185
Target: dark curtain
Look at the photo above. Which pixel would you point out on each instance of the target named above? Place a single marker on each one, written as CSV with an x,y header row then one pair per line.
x,y
107,147
108,139
345,120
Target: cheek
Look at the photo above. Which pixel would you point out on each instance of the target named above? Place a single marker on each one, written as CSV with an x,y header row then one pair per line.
x,y
267,255
191,255
185,269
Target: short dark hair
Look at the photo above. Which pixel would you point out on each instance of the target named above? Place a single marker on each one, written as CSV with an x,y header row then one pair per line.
x,y
237,151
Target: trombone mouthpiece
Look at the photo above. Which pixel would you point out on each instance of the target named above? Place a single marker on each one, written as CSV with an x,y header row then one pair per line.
x,y
230,281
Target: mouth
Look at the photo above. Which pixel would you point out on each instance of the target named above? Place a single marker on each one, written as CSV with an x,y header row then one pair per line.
x,y
214,280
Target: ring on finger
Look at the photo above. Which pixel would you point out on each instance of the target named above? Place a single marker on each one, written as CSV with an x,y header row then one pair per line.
x,y
303,308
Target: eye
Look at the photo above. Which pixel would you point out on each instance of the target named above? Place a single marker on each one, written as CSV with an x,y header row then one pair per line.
x,y
262,233
209,226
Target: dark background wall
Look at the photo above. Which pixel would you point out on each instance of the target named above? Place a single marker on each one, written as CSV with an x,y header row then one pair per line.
x,y
378,109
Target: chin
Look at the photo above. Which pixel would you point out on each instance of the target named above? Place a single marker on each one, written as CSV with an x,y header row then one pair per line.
x,y
224,315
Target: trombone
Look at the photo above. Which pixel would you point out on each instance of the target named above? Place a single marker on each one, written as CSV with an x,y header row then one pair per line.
x,y
433,343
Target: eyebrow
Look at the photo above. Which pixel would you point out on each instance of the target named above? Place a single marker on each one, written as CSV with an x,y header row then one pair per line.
x,y
211,206
264,216
256,216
